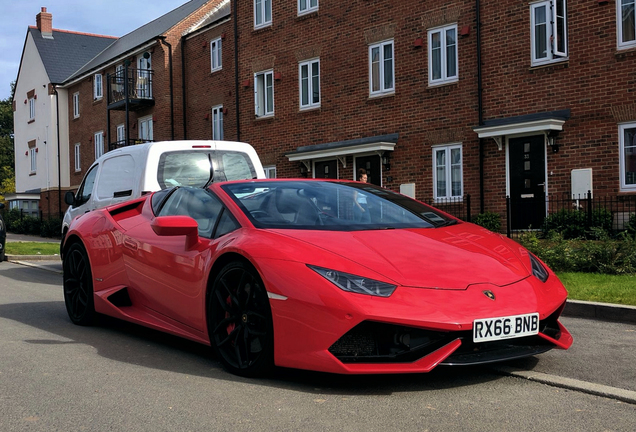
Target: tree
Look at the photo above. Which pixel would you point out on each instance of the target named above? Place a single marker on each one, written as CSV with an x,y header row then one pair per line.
x,y
7,161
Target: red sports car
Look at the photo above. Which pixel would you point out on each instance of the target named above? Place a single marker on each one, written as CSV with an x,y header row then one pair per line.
x,y
331,276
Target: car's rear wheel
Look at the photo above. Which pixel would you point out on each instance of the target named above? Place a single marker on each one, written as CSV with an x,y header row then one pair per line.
x,y
78,285
240,321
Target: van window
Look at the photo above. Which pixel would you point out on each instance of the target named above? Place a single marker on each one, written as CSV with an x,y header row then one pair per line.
x,y
237,166
117,177
86,188
189,168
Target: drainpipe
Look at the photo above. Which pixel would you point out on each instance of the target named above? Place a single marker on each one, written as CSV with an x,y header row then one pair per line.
x,y
480,91
236,70
163,41
59,165
183,87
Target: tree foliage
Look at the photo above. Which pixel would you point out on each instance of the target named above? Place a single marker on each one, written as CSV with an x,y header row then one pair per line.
x,y
7,162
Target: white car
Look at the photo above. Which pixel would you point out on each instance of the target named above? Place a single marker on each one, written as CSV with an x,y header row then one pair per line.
x,y
129,172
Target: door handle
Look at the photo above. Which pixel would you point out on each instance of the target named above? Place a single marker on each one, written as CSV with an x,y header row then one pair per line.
x,y
541,184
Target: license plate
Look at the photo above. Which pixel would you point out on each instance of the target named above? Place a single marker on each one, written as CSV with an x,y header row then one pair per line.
x,y
490,329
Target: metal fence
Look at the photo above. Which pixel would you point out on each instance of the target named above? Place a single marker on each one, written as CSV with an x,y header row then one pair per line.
x,y
458,207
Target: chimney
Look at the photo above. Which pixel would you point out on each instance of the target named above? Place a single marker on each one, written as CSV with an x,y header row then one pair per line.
x,y
44,21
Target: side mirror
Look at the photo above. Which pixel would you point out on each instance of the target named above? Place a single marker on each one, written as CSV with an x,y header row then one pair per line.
x,y
177,226
69,198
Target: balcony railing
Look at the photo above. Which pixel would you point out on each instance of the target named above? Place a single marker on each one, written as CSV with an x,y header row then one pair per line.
x,y
126,143
132,84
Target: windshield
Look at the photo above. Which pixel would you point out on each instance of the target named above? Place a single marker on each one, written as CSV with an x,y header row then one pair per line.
x,y
330,206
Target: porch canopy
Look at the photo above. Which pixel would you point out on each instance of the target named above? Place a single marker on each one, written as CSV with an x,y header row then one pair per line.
x,y
341,149
543,122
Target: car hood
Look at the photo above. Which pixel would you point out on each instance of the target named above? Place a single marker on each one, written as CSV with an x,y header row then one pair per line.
x,y
453,257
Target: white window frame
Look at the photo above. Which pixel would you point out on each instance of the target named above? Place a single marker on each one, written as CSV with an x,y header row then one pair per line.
x,y
262,7
447,148
382,88
309,104
98,88
76,105
216,54
145,126
551,36
98,139
32,108
263,93
307,6
217,122
33,155
446,76
623,146
78,161
623,44
270,171
121,133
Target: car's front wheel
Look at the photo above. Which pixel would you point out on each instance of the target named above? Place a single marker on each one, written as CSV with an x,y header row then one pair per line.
x,y
78,285
240,321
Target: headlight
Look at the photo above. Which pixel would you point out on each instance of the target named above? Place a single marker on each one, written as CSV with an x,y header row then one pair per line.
x,y
538,269
355,284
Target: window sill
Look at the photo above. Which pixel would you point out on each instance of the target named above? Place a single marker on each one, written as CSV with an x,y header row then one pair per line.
x,y
628,51
309,109
98,101
32,173
31,121
76,118
561,62
381,95
442,84
265,27
307,14
264,117
216,70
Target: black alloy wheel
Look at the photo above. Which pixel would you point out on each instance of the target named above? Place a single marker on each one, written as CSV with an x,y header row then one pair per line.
x,y
240,321
78,286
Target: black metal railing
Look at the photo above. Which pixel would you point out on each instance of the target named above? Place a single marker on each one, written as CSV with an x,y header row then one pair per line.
x,y
126,143
129,83
458,207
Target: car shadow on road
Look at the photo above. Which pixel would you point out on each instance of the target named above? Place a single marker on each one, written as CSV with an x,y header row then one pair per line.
x,y
133,344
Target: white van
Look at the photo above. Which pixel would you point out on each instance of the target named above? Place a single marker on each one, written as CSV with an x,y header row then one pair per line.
x,y
129,172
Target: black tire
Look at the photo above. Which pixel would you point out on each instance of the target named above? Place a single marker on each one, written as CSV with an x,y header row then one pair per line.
x,y
240,321
78,286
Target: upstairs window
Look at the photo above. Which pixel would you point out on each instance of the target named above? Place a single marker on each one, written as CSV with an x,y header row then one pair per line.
x,y
309,77
264,93
307,6
217,122
78,165
99,144
98,92
76,112
442,55
548,31
381,68
33,154
31,108
626,25
215,54
262,13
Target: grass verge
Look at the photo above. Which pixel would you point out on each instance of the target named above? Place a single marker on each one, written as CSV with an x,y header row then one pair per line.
x,y
618,289
32,248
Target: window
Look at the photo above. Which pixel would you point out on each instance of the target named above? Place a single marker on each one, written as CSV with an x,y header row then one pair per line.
x,y
86,188
270,171
31,108
78,166
99,144
97,87
548,30
215,54
76,113
121,134
447,172
381,68
146,129
33,153
217,122
626,25
442,55
309,76
627,141
262,13
264,93
306,6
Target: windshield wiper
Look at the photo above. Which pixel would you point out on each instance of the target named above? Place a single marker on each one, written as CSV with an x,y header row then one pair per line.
x,y
446,223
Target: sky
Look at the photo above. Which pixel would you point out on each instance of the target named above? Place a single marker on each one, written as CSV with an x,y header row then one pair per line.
x,y
104,17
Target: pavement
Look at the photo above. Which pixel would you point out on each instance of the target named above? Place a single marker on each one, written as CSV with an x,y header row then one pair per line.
x,y
573,308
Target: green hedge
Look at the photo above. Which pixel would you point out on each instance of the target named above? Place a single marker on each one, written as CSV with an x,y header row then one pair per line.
x,y
573,224
20,224
488,220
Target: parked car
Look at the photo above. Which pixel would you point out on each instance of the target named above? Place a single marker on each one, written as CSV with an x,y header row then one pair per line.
x,y
3,235
284,272
129,172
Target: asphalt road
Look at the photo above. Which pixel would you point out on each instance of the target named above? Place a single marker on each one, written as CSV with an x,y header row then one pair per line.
x,y
55,376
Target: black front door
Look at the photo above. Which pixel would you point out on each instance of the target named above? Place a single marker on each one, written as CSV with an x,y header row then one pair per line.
x,y
372,165
326,169
526,161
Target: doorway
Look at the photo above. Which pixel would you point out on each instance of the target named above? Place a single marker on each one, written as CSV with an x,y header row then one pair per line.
x,y
326,169
526,162
372,165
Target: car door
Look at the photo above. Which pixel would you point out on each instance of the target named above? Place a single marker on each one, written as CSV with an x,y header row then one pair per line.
x,y
171,276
